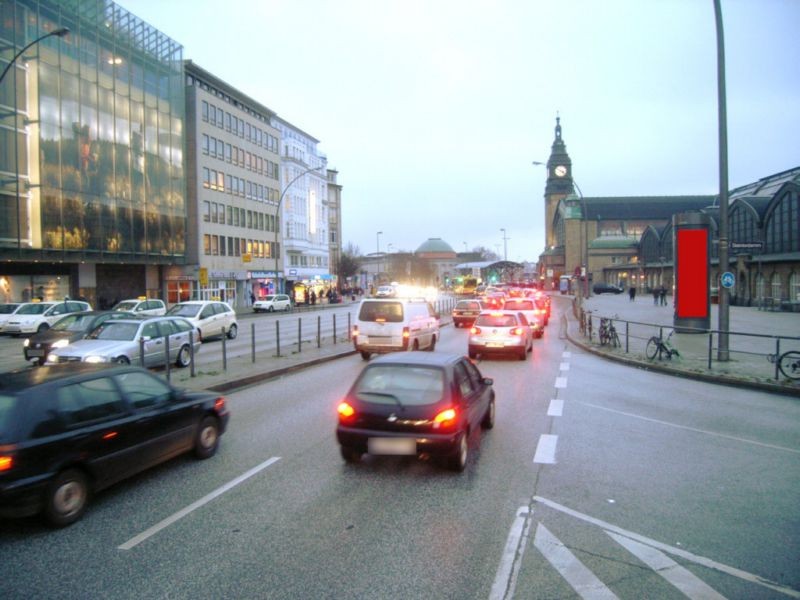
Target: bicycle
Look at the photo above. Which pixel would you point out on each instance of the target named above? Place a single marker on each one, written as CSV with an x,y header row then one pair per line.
x,y
658,345
608,333
788,363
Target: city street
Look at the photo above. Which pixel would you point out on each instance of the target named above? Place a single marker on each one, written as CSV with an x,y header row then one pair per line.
x,y
598,480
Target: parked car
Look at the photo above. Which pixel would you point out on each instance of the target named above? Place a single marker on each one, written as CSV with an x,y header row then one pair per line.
x,y
6,310
119,341
534,315
465,312
70,328
415,404
272,303
142,306
212,318
500,332
394,324
68,431
606,288
33,317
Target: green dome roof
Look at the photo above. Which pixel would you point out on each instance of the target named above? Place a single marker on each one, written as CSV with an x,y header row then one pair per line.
x,y
435,245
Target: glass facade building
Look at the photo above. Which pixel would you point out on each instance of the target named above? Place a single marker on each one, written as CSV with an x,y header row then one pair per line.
x,y
92,166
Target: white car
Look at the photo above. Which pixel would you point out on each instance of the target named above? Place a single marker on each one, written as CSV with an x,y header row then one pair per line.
x,y
6,310
211,317
142,306
272,303
33,317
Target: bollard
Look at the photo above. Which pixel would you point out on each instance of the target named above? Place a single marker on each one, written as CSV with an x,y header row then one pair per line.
x,y
277,338
141,352
191,353
334,329
299,334
166,356
253,342
319,332
224,351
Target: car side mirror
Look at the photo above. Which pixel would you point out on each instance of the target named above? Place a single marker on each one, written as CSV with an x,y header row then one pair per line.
x,y
488,381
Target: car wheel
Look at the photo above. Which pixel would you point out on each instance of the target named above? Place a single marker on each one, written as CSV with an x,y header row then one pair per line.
x,y
488,418
271,309
365,355
66,498
288,308
207,438
256,310
233,331
415,346
472,354
350,455
524,353
42,327
458,461
184,357
432,347
122,360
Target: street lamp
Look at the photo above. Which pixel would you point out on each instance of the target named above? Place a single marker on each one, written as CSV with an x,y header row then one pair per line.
x,y
278,218
378,242
505,245
60,32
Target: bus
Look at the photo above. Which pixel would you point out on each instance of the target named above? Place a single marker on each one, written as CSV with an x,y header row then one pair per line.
x,y
466,286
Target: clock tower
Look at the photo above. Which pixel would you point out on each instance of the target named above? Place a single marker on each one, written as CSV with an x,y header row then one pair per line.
x,y
559,183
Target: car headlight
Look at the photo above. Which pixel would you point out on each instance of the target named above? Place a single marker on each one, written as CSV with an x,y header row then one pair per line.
x,y
95,359
26,343
60,343
52,358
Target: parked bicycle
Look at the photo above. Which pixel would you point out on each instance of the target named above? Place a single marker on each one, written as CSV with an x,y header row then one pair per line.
x,y
608,333
661,347
788,363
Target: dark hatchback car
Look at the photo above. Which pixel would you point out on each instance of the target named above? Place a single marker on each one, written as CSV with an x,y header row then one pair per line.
x,y
465,312
74,326
68,431
415,404
606,288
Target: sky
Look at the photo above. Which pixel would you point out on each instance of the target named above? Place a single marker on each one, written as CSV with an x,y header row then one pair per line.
x,y
433,111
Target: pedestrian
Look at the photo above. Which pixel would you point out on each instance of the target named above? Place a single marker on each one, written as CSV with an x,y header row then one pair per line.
x,y
662,293
313,297
656,294
252,298
632,293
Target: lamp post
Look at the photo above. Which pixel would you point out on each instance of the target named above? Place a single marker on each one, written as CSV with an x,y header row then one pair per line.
x,y
505,245
722,115
60,32
278,218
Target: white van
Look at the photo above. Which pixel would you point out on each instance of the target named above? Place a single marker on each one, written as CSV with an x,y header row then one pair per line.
x,y
393,325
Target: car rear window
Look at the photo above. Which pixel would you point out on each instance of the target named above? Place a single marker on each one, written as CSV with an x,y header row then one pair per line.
x,y
496,321
115,330
519,305
382,312
468,305
411,386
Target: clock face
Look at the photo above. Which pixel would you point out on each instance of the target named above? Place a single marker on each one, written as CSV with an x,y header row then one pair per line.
x,y
560,171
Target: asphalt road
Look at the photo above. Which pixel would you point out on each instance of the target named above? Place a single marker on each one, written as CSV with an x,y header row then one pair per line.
x,y
598,480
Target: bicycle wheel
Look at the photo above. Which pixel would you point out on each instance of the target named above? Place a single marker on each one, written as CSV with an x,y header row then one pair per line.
x,y
615,339
789,364
603,335
651,350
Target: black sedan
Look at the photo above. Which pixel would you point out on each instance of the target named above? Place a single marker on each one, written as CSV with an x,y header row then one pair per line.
x,y
68,431
73,327
606,288
416,404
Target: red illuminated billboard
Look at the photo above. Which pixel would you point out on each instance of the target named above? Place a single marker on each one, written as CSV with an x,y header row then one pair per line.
x,y
691,275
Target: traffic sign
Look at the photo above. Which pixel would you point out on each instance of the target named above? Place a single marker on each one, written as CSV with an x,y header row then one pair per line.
x,y
728,279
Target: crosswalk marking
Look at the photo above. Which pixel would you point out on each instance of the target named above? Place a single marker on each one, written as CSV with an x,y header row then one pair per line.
x,y
582,580
683,579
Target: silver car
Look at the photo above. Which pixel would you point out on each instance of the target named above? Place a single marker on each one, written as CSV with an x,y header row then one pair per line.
x,y
120,340
500,331
211,317
272,303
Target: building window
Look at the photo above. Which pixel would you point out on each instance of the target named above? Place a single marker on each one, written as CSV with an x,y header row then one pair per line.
x,y
206,211
206,244
204,110
794,287
775,285
222,245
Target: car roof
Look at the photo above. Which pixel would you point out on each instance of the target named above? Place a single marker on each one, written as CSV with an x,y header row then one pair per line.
x,y
15,381
428,359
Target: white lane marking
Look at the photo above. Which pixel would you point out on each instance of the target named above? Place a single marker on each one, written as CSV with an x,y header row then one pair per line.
x,y
546,449
564,366
696,430
689,584
561,382
566,354
506,578
581,579
556,408
700,560
134,541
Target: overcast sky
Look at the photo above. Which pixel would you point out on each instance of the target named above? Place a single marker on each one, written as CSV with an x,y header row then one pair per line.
x,y
432,111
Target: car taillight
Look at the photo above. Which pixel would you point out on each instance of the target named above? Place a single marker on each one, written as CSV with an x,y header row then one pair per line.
x,y
517,331
346,412
445,419
6,462
219,404
475,330
355,330
406,333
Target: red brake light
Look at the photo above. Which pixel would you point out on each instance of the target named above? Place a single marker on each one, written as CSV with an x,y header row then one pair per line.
x,y
446,418
516,331
6,462
406,333
346,412
219,404
355,330
475,330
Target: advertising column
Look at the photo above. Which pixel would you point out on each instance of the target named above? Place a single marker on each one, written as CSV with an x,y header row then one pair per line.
x,y
692,248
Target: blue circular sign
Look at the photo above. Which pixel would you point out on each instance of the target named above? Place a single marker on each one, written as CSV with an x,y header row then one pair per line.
x,y
728,279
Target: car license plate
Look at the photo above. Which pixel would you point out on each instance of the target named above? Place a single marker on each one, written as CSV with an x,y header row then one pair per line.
x,y
403,446
495,344
35,352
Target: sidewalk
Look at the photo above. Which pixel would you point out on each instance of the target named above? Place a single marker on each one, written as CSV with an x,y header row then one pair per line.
x,y
637,321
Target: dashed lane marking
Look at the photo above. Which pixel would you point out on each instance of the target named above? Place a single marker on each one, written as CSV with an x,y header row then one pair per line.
x,y
546,450
556,408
